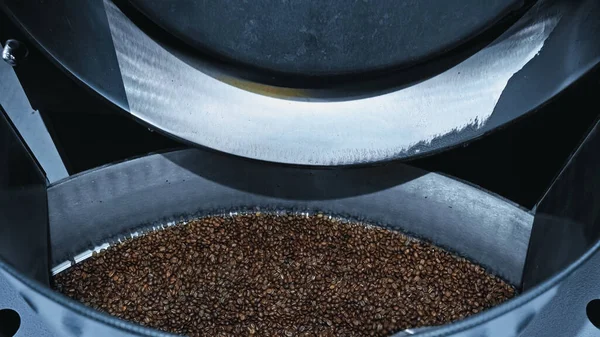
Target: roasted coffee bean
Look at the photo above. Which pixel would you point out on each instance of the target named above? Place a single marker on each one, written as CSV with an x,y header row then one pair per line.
x,y
273,275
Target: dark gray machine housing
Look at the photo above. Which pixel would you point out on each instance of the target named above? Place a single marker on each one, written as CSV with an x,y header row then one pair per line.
x,y
550,253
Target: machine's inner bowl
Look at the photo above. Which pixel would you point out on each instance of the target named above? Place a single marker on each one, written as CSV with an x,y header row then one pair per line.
x,y
281,274
100,208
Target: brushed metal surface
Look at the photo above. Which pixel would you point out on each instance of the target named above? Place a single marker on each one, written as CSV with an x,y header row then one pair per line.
x,y
178,94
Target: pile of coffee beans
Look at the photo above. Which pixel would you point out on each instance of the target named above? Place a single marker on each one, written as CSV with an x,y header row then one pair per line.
x,y
281,275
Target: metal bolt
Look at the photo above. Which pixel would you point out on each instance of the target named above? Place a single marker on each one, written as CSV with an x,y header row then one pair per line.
x,y
14,52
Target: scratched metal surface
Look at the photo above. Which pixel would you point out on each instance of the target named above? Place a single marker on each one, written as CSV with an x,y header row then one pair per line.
x,y
172,92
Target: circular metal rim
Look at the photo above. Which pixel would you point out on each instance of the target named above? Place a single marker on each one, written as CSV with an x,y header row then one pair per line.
x,y
446,330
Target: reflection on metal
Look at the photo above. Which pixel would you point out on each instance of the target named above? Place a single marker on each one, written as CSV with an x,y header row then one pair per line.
x,y
30,125
176,95
567,219
14,52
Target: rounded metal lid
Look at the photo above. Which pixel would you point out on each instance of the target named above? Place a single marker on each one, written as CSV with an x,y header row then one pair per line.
x,y
316,38
208,101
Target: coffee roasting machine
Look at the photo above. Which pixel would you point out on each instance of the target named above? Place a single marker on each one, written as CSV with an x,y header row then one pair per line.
x,y
345,107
